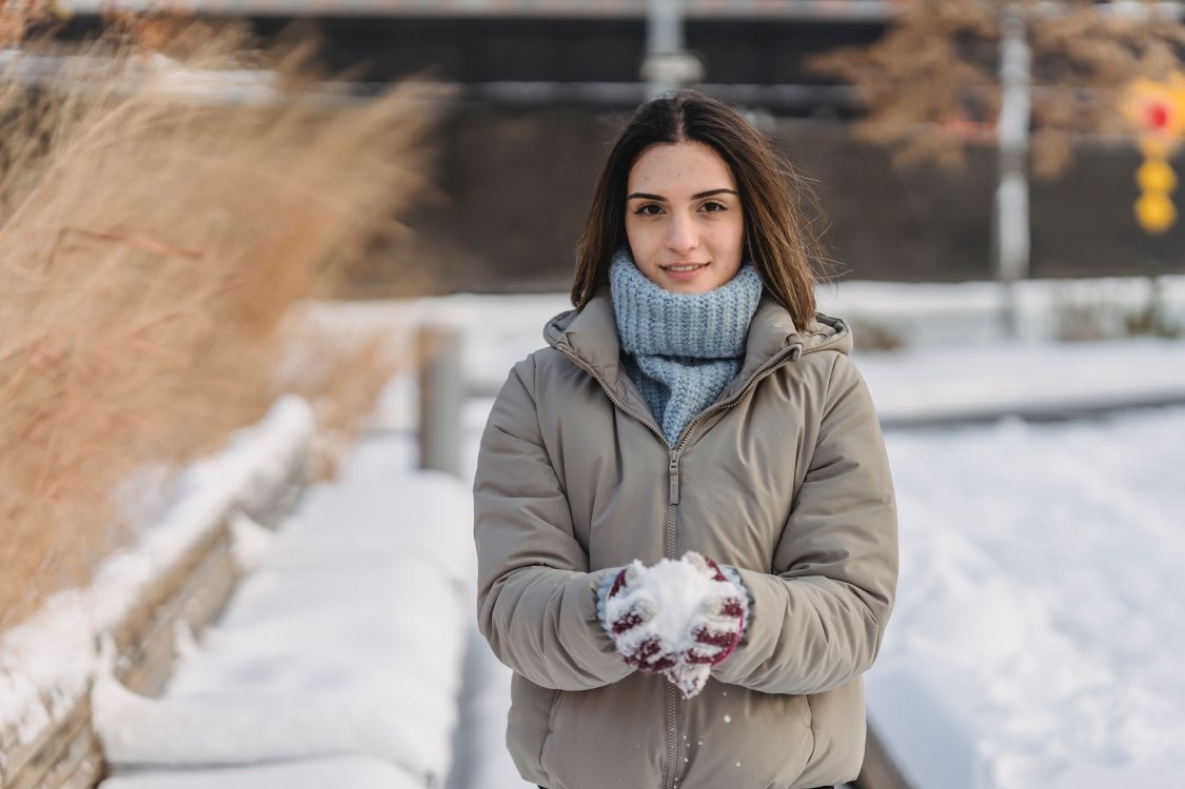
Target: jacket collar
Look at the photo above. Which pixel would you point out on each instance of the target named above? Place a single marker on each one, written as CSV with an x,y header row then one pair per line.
x,y
590,335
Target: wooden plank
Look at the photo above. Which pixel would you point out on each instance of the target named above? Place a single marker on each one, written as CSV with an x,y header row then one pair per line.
x,y
150,656
65,743
80,766
194,591
33,758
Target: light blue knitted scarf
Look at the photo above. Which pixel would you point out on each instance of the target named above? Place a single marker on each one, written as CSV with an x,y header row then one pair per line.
x,y
680,350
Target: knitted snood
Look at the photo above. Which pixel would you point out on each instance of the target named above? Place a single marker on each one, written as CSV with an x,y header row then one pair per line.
x,y
680,350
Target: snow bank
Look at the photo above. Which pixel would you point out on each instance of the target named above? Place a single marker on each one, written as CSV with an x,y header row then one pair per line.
x,y
968,313
352,772
932,382
47,662
347,639
1036,640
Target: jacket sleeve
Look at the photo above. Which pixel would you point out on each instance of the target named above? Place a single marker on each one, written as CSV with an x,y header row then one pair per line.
x,y
817,621
536,599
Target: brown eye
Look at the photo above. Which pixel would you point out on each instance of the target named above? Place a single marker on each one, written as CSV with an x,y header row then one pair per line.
x,y
714,207
641,210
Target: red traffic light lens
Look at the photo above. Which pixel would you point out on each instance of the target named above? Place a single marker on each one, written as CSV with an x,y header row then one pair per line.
x,y
1157,116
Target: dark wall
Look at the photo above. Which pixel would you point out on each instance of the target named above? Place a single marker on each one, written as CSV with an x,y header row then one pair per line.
x,y
515,188
493,49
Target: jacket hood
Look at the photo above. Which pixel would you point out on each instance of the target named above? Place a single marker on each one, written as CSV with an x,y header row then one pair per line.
x,y
590,334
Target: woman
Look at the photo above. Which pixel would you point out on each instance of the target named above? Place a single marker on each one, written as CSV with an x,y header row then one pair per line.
x,y
693,408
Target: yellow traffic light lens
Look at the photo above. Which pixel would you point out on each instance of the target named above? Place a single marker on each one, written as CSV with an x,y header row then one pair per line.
x,y
1156,176
1155,213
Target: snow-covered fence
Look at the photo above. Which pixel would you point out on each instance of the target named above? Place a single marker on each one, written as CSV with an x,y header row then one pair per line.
x,y
179,574
339,654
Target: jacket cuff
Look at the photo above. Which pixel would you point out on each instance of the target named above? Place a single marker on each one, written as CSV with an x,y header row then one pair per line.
x,y
602,594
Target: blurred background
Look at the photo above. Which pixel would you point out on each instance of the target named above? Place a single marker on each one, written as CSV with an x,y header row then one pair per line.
x,y
265,263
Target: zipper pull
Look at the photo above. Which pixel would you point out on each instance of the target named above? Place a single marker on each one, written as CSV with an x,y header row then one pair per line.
x,y
673,473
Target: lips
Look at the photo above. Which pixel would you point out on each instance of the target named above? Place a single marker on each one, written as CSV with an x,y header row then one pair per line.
x,y
684,273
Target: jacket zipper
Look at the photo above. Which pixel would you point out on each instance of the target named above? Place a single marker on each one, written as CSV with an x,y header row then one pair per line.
x,y
673,497
669,546
672,701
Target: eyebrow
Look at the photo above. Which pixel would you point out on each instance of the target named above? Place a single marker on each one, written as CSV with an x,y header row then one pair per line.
x,y
696,196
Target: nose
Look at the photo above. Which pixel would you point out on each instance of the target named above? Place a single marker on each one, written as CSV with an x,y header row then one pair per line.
x,y
682,237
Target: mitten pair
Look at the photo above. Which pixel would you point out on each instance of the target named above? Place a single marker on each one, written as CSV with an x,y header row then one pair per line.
x,y
679,618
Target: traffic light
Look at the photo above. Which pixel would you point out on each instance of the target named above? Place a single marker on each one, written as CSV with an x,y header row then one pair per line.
x,y
1157,112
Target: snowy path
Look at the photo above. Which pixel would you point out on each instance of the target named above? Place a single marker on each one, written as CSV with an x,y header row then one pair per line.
x,y
481,759
339,657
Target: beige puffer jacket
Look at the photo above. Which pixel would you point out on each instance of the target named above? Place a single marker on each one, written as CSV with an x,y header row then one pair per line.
x,y
785,477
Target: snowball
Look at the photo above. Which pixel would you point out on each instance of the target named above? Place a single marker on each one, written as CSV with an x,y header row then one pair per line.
x,y
673,597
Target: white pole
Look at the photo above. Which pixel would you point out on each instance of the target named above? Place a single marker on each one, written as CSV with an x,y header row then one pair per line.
x,y
1012,192
667,66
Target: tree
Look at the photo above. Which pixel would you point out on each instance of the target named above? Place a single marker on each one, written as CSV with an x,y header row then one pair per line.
x,y
1032,77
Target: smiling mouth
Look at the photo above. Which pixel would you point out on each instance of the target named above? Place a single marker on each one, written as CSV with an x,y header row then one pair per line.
x,y
685,267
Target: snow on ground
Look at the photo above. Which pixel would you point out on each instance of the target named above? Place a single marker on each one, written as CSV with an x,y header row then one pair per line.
x,y
968,313
481,758
1037,637
346,640
46,662
354,772
936,381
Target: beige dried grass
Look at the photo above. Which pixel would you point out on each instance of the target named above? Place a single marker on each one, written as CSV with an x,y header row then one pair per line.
x,y
150,248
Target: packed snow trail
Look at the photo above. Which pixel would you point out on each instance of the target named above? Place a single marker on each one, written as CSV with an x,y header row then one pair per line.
x,y
339,655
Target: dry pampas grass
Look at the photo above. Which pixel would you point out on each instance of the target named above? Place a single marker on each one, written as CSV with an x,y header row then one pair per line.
x,y
155,229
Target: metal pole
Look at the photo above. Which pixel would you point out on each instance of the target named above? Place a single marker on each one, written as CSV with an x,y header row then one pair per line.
x,y
1012,192
667,66
441,397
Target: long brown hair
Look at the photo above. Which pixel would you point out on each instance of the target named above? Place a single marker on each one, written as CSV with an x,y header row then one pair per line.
x,y
782,243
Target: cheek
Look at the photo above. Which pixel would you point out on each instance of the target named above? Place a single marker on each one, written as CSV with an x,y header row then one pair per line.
x,y
643,238
728,239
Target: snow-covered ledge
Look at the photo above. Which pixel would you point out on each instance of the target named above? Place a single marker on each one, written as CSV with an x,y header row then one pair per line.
x,y
48,661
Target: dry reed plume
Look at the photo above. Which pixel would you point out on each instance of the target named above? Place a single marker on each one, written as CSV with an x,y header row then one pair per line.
x,y
152,239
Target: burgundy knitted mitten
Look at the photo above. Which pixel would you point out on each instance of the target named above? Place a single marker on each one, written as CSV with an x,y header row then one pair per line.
x,y
720,623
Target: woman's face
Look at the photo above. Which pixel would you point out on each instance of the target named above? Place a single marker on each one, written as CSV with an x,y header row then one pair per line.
x,y
683,217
